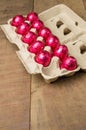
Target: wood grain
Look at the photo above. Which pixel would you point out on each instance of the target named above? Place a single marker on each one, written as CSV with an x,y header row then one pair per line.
x,y
15,83
62,104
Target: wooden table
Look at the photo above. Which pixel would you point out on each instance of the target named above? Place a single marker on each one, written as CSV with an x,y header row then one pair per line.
x,y
26,101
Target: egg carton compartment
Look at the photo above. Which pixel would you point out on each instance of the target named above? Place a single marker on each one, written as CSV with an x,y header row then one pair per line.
x,y
68,27
50,73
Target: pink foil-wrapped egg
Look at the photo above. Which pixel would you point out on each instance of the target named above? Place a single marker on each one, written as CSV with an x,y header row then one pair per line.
x,y
43,57
52,41
17,20
36,47
38,25
44,32
29,37
23,28
69,63
61,52
32,17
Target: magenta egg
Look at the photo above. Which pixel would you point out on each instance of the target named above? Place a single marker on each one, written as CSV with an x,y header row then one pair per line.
x,y
52,41
36,47
17,20
37,24
32,17
61,52
44,32
43,57
69,63
29,37
23,28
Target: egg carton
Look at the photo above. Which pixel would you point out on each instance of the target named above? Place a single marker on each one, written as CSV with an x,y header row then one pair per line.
x,y
71,30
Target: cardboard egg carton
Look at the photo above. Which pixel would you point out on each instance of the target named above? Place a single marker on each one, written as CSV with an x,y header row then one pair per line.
x,y
68,27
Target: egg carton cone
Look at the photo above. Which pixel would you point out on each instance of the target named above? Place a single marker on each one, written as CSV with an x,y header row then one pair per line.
x,y
71,31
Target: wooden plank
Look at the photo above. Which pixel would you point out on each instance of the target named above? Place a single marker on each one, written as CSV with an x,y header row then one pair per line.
x,y
84,2
10,8
15,82
62,104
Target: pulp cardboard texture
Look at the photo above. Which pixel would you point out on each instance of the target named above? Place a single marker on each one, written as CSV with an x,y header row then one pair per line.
x,y
68,27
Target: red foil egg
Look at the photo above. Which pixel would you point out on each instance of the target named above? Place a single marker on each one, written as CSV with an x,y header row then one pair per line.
x,y
36,47
69,63
43,57
17,20
29,37
32,17
23,28
44,32
37,24
61,52
52,41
